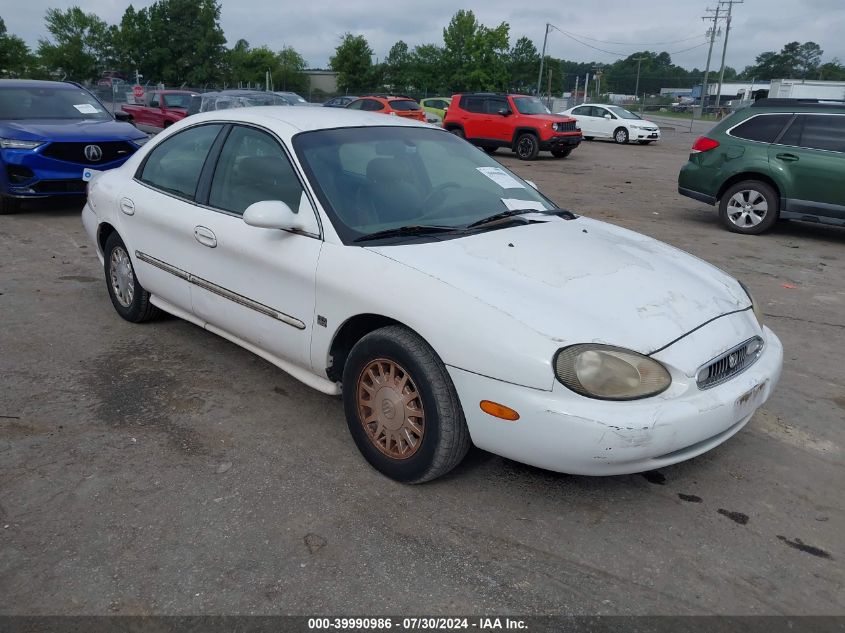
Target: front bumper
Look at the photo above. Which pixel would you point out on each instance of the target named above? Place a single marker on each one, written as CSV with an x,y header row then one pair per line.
x,y
561,431
562,141
44,176
644,135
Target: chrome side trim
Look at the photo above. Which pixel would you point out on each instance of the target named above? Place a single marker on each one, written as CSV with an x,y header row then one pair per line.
x,y
221,291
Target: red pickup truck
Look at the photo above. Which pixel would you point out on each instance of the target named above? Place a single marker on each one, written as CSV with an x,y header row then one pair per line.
x,y
160,109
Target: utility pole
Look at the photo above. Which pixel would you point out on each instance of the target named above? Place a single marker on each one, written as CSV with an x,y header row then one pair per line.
x,y
575,94
715,19
586,87
542,59
730,4
637,88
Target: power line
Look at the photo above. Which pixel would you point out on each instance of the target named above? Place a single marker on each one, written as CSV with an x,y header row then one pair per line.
x,y
617,53
594,39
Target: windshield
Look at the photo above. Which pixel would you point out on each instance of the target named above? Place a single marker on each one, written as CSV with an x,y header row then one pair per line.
x,y
379,178
530,105
622,113
177,100
50,103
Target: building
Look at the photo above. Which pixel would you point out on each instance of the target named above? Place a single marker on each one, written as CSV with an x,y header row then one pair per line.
x,y
676,93
324,81
733,91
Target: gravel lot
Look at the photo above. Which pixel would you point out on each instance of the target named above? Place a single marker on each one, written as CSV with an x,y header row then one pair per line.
x,y
160,469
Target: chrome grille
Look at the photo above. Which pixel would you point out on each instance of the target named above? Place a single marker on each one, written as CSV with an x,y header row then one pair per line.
x,y
566,126
729,364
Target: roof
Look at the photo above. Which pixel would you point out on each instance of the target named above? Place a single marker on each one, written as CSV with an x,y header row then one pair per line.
x,y
800,104
305,119
35,83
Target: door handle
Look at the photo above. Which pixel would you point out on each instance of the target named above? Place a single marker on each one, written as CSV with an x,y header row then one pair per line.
x,y
205,236
127,206
790,158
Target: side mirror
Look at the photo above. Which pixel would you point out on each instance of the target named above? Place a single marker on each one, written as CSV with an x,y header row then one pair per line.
x,y
532,183
272,214
120,115
608,117
504,112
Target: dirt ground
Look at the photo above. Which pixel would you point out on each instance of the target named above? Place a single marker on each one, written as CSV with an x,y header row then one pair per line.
x,y
160,469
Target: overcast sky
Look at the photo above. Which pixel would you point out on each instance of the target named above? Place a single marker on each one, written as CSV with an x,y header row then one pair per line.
x,y
315,26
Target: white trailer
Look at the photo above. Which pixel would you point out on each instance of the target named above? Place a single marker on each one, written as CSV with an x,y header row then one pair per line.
x,y
806,89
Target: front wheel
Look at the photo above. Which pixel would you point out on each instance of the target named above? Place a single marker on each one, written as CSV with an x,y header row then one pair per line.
x,y
561,153
128,297
401,406
527,146
621,136
750,207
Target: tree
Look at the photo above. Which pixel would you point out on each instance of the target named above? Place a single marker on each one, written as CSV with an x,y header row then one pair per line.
x,y
523,64
81,44
832,71
475,56
352,61
794,61
397,67
426,72
15,58
291,70
131,42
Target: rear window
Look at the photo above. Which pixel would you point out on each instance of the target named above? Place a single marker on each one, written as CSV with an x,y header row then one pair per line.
x,y
472,104
404,105
763,127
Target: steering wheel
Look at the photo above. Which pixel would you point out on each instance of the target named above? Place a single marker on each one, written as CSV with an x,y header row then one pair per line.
x,y
438,192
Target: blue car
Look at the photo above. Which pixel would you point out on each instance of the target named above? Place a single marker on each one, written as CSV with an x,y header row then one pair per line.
x,y
50,131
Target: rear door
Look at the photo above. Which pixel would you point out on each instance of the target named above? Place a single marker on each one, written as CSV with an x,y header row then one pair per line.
x,y
811,153
475,123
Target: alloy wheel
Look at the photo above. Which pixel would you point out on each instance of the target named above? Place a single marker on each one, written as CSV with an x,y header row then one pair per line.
x,y
747,208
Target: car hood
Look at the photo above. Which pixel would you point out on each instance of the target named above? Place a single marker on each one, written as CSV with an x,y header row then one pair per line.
x,y
69,130
551,118
581,280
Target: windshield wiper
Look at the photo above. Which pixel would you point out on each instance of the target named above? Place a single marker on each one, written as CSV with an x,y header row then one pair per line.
x,y
412,229
501,216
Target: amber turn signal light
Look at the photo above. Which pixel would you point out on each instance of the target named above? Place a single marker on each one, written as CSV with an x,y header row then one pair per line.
x,y
499,410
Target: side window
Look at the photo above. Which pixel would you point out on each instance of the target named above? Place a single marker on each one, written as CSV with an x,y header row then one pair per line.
x,y
154,101
492,106
175,164
581,111
763,128
472,104
817,131
356,105
373,106
252,168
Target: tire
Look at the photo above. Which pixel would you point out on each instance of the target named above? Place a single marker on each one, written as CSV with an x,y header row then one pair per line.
x,y
167,124
128,297
9,205
458,132
527,146
589,138
750,207
620,135
561,153
490,149
386,356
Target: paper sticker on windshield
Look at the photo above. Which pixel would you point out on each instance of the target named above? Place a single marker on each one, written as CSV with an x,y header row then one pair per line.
x,y
514,204
86,108
504,180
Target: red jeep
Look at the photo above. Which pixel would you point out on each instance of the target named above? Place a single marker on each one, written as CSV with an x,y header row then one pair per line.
x,y
519,122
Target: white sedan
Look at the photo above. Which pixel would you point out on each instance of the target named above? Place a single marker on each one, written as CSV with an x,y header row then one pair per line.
x,y
445,298
600,120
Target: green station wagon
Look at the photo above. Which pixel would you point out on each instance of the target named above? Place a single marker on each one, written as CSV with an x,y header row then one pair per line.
x,y
779,158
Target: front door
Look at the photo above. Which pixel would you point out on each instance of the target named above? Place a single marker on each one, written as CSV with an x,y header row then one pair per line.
x,y
256,284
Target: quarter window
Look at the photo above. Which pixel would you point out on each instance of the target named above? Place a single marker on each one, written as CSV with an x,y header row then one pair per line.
x,y
816,131
252,168
356,105
371,105
176,163
763,128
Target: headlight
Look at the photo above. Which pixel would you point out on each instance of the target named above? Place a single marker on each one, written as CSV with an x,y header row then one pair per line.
x,y
758,313
141,141
610,373
554,126
13,143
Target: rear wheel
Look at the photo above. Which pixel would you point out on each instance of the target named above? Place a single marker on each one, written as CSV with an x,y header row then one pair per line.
x,y
750,207
9,205
620,135
458,132
128,297
589,138
561,153
527,146
401,406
